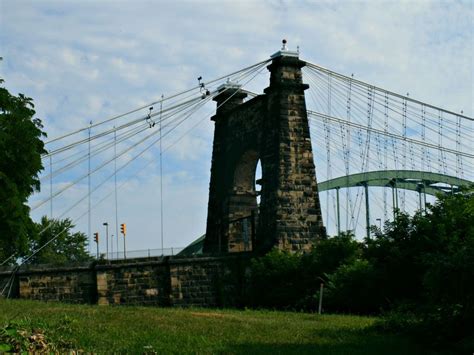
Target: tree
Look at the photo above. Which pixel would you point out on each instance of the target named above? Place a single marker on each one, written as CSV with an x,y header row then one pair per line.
x,y
428,265
59,245
329,253
274,281
291,281
21,148
354,288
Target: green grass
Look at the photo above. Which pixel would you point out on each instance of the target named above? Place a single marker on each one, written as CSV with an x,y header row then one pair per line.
x,y
170,330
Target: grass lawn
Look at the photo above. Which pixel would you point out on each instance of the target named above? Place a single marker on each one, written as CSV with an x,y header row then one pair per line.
x,y
170,330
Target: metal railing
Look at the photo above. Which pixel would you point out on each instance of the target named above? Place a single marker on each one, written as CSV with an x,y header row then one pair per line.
x,y
144,253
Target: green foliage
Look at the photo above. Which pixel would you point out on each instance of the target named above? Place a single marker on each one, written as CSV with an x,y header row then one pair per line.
x,y
16,224
20,163
450,266
329,253
274,280
419,269
290,281
354,288
443,251
397,255
67,247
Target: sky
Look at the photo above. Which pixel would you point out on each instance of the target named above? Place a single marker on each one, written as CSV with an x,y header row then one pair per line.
x,y
85,61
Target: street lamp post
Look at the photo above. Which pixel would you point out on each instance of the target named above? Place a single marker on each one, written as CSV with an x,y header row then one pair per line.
x,y
106,238
380,223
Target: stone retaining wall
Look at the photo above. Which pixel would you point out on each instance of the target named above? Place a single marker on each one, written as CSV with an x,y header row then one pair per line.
x,y
168,281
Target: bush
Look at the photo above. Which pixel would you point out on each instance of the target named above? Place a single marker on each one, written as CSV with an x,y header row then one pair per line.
x,y
444,255
291,281
274,281
329,253
353,288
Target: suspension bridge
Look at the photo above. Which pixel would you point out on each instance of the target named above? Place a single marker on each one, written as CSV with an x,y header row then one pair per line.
x,y
375,151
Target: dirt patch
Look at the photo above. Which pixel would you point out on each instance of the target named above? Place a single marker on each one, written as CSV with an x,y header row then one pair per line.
x,y
211,315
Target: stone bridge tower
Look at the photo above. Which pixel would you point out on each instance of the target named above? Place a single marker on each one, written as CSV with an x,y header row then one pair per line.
x,y
272,128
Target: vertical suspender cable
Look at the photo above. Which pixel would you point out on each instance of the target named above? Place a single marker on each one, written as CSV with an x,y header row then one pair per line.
x,y
440,141
441,157
366,155
51,184
427,151
116,197
349,207
89,186
328,150
423,137
161,178
378,144
458,146
423,149
344,139
385,157
404,155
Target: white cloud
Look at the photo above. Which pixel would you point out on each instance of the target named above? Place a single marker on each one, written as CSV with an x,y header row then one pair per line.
x,y
83,61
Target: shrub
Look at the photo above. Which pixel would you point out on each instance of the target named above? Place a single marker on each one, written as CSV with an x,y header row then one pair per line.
x,y
291,281
274,281
353,288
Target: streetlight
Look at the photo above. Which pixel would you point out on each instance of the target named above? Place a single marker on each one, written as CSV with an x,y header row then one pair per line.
x,y
380,223
106,238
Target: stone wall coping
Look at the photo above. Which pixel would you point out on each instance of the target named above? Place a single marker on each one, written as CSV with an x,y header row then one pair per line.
x,y
206,258
138,262
41,269
173,260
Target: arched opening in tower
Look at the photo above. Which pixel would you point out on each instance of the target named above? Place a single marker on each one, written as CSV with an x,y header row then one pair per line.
x,y
258,182
244,202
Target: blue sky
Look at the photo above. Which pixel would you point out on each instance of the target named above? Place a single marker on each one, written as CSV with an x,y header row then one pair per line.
x,y
89,60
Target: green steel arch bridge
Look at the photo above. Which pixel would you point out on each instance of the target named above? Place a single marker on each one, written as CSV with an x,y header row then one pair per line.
x,y
423,182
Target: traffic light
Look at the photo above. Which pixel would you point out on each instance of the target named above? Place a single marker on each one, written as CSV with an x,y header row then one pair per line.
x,y
123,228
96,238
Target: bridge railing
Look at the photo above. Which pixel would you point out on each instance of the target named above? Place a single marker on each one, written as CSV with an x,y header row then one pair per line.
x,y
143,253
